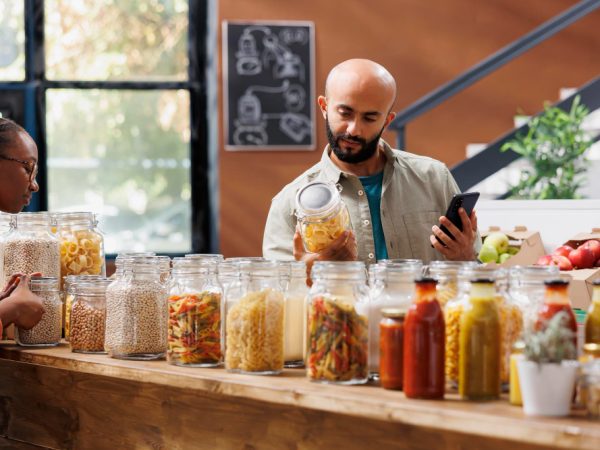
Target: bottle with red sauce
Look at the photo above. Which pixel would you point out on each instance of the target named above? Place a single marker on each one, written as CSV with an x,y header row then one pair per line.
x,y
424,342
391,347
556,299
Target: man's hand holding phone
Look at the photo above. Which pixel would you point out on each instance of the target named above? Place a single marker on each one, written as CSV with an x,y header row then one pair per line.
x,y
461,247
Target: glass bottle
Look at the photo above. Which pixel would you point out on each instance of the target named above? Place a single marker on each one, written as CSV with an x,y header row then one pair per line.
x,y
81,244
592,321
88,316
526,289
48,331
136,312
30,247
295,315
424,344
391,348
446,275
393,286
337,323
195,314
322,215
479,353
254,322
515,387
556,299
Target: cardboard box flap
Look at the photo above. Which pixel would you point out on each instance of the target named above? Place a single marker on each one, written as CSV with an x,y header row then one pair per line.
x,y
520,233
578,239
581,288
529,243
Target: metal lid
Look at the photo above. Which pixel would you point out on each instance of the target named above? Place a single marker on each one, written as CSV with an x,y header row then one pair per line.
x,y
316,198
393,313
592,349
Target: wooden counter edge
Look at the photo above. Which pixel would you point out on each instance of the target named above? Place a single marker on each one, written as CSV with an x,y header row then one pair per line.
x,y
484,420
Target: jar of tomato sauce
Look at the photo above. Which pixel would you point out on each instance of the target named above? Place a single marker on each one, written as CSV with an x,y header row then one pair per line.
x,y
424,340
556,299
391,347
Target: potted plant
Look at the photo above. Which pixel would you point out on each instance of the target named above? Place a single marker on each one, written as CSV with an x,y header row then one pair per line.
x,y
555,146
548,370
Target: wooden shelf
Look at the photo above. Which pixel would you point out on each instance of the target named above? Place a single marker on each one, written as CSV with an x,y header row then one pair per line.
x,y
50,373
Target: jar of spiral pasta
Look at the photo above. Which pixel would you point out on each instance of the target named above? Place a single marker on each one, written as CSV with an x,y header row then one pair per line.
x,y
337,323
88,316
30,247
136,311
48,331
254,321
195,314
81,244
322,215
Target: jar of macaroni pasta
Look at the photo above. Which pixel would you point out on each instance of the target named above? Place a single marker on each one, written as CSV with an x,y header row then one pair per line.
x,y
254,321
337,323
322,215
81,244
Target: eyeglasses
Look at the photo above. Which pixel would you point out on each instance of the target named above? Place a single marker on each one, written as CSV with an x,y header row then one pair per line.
x,y
30,167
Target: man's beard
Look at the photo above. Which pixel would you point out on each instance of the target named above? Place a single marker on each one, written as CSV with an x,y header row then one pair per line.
x,y
367,150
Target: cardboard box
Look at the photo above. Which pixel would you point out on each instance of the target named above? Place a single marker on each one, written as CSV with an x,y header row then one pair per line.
x,y
580,289
529,243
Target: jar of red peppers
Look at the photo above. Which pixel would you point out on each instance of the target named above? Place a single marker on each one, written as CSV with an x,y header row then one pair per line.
x,y
391,348
195,312
424,344
337,324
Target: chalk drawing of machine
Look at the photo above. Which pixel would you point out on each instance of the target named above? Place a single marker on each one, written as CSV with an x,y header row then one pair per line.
x,y
248,60
285,64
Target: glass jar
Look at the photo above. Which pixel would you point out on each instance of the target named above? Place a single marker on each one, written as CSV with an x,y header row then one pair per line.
x,y
203,256
589,388
424,344
592,321
254,322
338,324
136,312
526,289
30,247
322,215
515,387
128,256
69,284
479,352
48,331
195,312
295,315
556,299
81,244
446,275
391,348
393,286
6,223
88,316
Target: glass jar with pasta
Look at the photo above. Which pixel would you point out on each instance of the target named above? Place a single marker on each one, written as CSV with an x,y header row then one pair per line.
x,y
81,244
195,314
337,324
254,320
446,275
322,215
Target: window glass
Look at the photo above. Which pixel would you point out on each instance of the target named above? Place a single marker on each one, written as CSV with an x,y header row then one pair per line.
x,y
125,155
12,40
116,39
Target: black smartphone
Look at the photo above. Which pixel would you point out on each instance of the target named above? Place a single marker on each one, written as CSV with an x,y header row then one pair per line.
x,y
466,201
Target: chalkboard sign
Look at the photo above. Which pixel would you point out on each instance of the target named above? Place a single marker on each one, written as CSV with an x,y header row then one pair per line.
x,y
268,85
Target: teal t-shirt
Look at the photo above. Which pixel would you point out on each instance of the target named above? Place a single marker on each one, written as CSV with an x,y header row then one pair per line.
x,y
372,187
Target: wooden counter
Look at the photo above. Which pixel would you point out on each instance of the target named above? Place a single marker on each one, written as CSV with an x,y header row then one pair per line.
x,y
52,398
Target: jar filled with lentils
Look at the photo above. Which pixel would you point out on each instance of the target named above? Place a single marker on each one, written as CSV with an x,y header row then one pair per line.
x,y
136,311
88,316
31,247
48,331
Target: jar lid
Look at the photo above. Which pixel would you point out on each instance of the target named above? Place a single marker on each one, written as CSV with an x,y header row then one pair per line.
x,y
45,283
316,198
483,280
592,349
596,282
393,313
518,347
556,282
202,256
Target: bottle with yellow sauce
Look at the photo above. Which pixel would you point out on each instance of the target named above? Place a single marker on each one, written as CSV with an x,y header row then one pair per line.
x,y
515,387
479,344
592,321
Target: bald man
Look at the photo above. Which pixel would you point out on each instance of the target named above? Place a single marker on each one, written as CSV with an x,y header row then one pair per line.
x,y
396,199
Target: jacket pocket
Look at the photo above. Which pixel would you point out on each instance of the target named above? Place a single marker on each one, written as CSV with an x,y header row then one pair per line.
x,y
418,226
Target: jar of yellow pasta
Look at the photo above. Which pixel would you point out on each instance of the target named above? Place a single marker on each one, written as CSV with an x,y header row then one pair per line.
x,y
81,244
322,215
254,320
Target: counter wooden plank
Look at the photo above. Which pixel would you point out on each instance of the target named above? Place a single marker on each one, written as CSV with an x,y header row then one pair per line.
x,y
84,397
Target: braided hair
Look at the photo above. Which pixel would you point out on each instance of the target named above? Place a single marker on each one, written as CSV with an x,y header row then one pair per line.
x,y
8,131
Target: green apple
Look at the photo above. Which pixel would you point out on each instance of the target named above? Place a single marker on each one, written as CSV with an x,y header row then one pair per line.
x,y
513,250
503,257
488,254
497,240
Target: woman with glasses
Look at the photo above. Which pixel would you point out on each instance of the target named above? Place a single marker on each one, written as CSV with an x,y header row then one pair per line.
x,y
18,168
